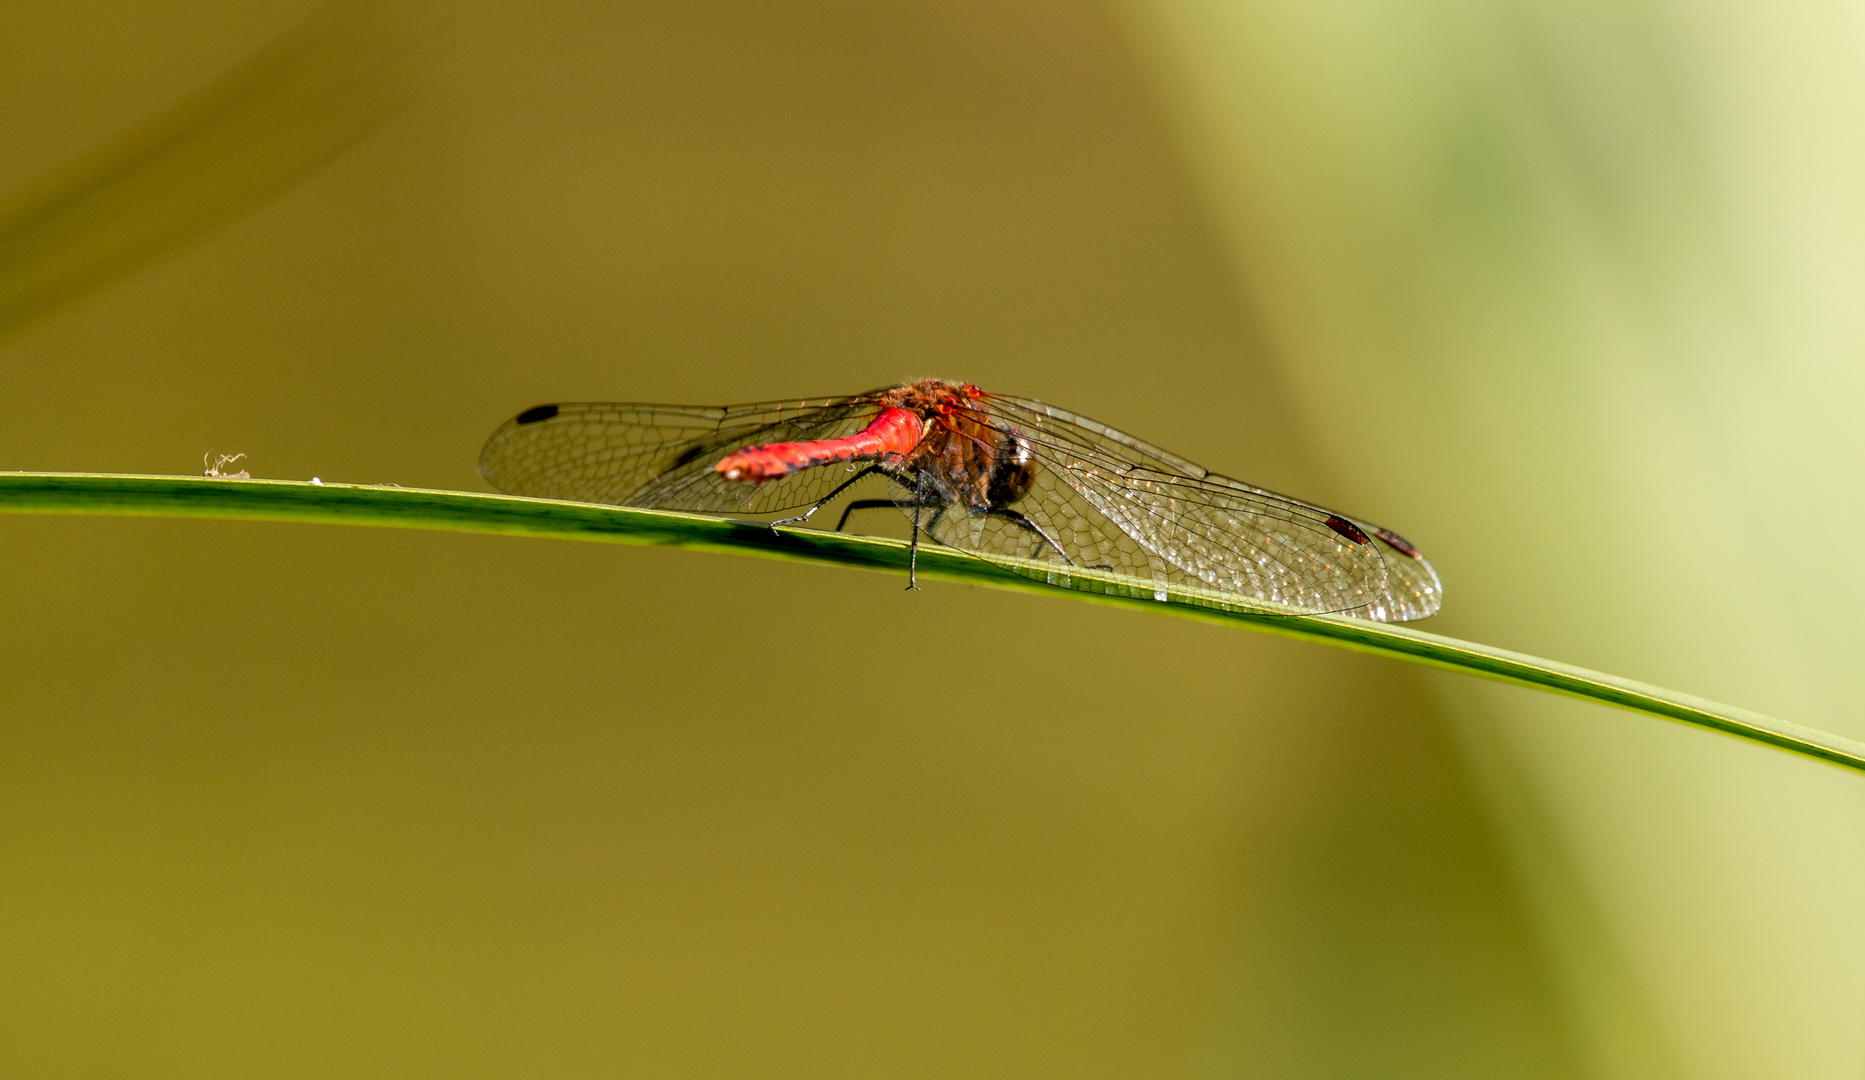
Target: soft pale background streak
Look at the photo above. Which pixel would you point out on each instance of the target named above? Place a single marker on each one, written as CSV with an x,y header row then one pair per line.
x,y
1589,276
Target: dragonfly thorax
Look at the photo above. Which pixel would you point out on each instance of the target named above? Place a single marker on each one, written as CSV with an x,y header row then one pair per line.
x,y
963,460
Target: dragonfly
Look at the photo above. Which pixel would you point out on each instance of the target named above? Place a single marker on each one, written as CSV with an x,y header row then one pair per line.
x,y
1040,491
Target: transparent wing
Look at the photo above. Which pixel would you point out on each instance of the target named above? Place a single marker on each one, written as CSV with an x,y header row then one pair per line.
x,y
1110,513
661,456
1105,512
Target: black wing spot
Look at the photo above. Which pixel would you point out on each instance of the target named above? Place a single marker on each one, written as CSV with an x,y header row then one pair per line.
x,y
1347,529
689,455
1398,543
537,413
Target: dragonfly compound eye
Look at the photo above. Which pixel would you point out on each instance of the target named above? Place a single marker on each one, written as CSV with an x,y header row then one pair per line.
x,y
1015,470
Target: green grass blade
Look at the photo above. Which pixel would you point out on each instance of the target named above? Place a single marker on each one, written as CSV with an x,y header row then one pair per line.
x,y
416,508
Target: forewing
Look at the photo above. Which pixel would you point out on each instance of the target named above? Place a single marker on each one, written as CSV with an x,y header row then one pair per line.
x,y
1140,519
1413,590
662,456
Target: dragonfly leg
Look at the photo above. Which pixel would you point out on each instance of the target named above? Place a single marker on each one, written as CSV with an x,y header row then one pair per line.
x,y
1022,522
864,504
820,503
913,552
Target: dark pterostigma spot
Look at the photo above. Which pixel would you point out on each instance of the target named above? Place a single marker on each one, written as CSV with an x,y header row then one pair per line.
x,y
1348,529
537,413
690,455
1398,543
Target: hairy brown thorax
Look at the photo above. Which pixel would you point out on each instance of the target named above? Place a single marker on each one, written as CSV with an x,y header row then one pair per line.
x,y
961,458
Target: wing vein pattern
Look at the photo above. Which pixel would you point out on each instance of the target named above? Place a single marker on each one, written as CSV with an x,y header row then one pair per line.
x,y
1102,511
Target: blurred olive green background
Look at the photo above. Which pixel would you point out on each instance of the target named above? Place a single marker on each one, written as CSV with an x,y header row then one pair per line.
x,y
1568,293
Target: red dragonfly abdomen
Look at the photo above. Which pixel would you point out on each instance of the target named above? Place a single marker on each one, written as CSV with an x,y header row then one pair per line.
x,y
893,433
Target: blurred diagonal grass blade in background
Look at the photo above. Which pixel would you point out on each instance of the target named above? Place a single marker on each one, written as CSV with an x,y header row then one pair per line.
x,y
417,508
295,105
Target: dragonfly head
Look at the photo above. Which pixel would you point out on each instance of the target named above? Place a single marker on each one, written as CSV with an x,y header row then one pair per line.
x,y
1014,471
